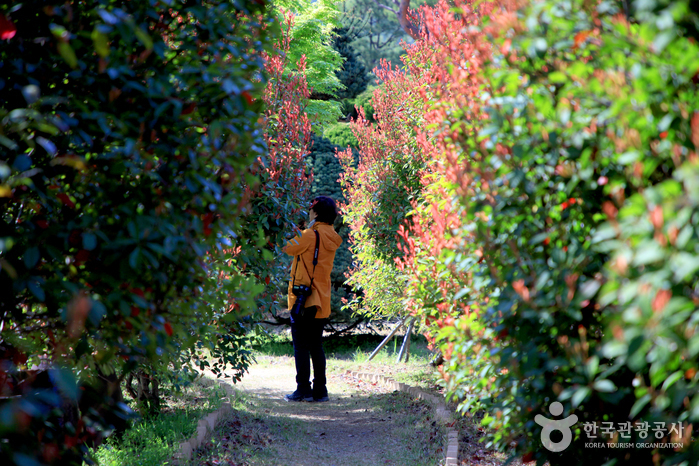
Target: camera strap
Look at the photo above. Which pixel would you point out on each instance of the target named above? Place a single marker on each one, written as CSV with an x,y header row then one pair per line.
x,y
315,261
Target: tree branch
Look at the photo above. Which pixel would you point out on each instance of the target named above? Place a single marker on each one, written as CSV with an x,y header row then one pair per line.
x,y
402,14
393,34
337,333
386,7
407,26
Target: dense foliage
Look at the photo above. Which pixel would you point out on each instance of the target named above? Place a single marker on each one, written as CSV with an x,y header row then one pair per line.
x,y
381,188
353,74
551,246
280,198
129,130
312,37
341,135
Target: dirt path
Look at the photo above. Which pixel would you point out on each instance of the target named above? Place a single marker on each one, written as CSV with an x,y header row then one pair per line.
x,y
362,424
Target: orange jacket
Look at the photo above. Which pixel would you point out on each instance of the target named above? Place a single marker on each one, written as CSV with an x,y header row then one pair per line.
x,y
304,246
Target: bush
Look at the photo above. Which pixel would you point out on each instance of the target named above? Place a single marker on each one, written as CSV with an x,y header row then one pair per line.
x,y
340,134
353,74
574,226
551,244
129,131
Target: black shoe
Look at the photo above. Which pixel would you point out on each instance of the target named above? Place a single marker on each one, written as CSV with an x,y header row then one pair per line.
x,y
296,396
321,399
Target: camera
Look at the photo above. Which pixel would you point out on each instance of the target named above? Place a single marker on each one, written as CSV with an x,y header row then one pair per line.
x,y
301,292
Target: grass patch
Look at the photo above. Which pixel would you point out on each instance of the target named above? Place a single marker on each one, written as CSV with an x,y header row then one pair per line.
x,y
152,440
472,445
241,436
414,420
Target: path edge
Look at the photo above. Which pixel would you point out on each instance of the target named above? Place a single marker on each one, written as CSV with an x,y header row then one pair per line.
x,y
205,426
441,411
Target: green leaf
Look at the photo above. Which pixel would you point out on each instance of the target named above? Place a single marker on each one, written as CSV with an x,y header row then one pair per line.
x,y
66,383
89,241
143,37
557,77
101,42
31,257
36,289
134,258
9,143
670,381
538,238
663,39
267,255
648,252
684,265
97,312
604,385
68,54
591,367
463,292
639,405
580,395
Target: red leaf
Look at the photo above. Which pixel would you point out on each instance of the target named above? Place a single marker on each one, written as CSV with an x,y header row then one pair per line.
x,y
656,217
208,218
75,237
82,256
580,38
70,442
168,329
43,224
247,97
7,28
63,197
189,109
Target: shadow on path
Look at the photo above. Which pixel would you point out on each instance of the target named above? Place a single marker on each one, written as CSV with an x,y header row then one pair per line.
x,y
362,424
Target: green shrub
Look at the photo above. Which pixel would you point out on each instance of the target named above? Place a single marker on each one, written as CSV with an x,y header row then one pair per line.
x,y
587,225
341,135
154,439
353,74
126,147
552,245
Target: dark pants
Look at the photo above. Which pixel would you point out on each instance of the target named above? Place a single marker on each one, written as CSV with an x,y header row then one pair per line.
x,y
307,335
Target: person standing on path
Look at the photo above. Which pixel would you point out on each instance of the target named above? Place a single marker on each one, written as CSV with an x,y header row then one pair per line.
x,y
307,328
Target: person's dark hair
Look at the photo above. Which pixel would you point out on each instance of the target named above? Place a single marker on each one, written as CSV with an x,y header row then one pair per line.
x,y
325,209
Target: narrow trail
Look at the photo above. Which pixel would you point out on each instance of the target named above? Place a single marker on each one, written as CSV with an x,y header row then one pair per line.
x,y
356,427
